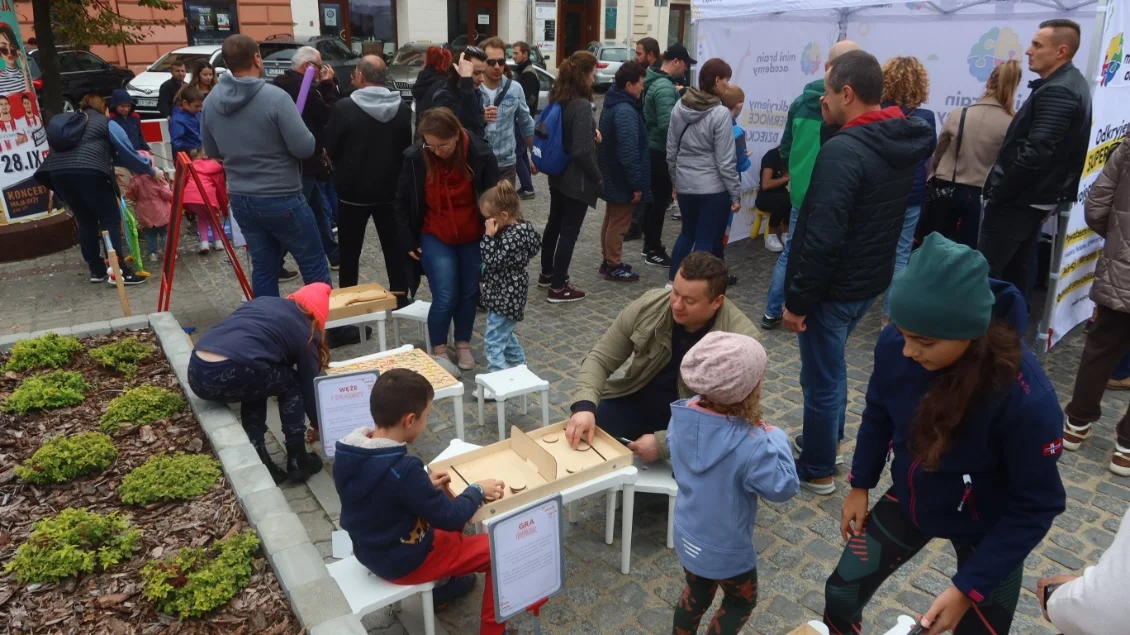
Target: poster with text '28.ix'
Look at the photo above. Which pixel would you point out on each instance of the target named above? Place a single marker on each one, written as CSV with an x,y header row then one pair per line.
x,y
23,142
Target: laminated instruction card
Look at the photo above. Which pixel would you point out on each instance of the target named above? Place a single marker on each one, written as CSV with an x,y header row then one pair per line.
x,y
526,556
343,405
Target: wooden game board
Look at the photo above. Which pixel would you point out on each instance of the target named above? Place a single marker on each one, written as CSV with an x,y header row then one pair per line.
x,y
414,359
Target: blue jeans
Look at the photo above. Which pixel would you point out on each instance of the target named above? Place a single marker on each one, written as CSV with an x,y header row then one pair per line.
x,y
329,194
1122,370
705,217
525,179
320,208
905,246
503,349
453,275
155,239
273,226
823,379
775,299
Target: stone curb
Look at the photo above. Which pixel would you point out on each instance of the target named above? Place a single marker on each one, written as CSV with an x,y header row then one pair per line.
x,y
314,596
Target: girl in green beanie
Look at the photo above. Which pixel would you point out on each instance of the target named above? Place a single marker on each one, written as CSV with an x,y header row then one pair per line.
x,y
975,429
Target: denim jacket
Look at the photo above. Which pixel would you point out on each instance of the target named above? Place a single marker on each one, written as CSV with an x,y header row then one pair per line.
x,y
500,132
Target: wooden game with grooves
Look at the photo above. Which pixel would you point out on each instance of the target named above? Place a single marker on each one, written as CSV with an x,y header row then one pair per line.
x,y
414,359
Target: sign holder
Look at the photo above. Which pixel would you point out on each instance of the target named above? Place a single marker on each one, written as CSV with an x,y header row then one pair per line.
x,y
342,402
185,170
527,558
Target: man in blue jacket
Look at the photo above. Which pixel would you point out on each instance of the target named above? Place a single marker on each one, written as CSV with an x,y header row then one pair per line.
x,y
625,166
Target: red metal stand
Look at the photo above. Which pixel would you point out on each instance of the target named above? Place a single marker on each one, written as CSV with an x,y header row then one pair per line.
x,y
184,170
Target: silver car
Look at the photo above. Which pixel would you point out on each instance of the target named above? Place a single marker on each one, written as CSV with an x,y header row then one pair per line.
x,y
407,64
609,57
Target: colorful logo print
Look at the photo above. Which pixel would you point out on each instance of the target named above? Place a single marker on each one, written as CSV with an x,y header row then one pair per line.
x,y
1113,60
810,61
995,47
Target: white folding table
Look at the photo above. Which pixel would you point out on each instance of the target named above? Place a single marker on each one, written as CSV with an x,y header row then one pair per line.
x,y
620,479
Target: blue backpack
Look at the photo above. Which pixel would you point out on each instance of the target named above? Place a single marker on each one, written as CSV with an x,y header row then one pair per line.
x,y
550,156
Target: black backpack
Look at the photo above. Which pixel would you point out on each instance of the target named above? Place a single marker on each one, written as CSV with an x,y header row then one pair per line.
x,y
65,130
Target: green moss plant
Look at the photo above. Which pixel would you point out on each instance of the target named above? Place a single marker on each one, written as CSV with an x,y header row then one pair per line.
x,y
167,477
122,356
57,389
48,351
193,582
64,458
75,541
141,406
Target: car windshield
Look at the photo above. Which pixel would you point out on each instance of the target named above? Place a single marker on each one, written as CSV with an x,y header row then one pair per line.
x,y
165,64
614,55
278,52
410,57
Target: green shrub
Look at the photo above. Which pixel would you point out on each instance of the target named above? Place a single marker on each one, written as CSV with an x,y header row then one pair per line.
x,y
141,406
57,389
75,541
192,582
122,356
48,351
167,477
64,458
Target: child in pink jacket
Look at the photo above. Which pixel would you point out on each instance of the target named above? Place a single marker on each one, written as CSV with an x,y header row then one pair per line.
x,y
215,188
152,203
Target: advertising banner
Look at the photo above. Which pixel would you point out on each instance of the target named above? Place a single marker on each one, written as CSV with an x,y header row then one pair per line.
x,y
23,142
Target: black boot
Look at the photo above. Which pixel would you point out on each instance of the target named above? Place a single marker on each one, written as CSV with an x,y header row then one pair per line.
x,y
277,472
301,464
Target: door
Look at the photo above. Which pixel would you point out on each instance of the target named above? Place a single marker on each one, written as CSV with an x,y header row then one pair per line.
x,y
482,20
578,21
679,27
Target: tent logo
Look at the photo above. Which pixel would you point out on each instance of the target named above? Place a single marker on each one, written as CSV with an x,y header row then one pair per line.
x,y
1113,60
995,47
810,61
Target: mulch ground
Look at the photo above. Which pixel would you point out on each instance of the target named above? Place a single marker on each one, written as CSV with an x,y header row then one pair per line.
x,y
111,601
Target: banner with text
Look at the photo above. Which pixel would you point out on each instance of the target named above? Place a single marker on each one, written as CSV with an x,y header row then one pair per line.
x,y
23,142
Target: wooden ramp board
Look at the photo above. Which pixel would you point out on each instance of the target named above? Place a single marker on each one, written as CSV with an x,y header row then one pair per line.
x,y
414,359
360,300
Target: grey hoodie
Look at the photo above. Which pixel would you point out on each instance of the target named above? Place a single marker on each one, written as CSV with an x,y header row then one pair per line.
x,y
377,101
700,147
255,129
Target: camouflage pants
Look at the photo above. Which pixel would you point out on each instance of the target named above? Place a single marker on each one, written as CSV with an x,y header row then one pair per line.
x,y
739,597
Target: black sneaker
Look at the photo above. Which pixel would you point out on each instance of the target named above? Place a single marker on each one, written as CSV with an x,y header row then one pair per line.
x,y
565,294
526,195
770,323
301,464
634,233
335,266
731,280
98,276
621,273
277,473
286,275
677,216
604,267
129,277
658,258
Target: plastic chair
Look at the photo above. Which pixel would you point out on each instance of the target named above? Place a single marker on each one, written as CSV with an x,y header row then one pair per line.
x,y
512,382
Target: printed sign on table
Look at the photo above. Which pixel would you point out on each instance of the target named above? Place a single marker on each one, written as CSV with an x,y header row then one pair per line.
x,y
526,556
23,143
343,405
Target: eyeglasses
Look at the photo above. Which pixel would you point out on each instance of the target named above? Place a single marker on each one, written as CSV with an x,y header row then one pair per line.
x,y
5,50
497,62
439,148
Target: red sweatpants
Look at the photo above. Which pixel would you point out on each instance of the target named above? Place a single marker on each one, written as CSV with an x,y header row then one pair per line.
x,y
454,554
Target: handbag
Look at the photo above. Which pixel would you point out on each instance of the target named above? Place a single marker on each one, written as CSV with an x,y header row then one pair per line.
x,y
940,214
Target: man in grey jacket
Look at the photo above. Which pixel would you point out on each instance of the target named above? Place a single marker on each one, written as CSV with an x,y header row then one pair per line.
x,y
257,132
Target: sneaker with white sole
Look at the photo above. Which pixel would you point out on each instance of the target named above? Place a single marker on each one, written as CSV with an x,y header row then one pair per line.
x,y
1120,461
798,445
824,485
565,294
152,258
1074,436
621,273
774,244
204,247
129,278
657,258
217,245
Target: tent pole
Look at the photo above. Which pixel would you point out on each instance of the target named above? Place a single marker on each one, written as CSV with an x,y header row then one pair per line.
x,y
844,13
1063,213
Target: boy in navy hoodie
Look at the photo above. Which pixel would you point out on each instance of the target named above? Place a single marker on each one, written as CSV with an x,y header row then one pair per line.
x,y
122,111
403,525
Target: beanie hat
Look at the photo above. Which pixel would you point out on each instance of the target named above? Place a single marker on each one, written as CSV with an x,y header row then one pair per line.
x,y
944,292
315,298
724,367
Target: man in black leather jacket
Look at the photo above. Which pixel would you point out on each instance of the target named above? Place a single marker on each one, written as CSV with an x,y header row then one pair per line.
x,y
1042,158
843,247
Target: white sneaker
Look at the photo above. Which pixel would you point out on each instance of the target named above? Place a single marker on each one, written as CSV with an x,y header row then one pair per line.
x,y
773,244
203,247
152,258
218,245
1074,436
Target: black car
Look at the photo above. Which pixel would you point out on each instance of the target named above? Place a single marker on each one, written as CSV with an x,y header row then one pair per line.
x,y
277,52
83,73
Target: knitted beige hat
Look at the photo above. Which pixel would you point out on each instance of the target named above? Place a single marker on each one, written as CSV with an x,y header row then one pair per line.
x,y
724,367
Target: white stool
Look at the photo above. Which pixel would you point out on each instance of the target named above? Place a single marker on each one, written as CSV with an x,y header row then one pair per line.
x,y
415,312
380,317
654,478
504,384
366,592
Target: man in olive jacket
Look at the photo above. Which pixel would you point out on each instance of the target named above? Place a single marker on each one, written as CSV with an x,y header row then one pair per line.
x,y
655,331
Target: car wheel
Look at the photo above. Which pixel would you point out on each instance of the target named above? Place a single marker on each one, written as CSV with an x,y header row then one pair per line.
x,y
68,105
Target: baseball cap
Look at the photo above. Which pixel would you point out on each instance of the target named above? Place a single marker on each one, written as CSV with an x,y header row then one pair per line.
x,y
678,52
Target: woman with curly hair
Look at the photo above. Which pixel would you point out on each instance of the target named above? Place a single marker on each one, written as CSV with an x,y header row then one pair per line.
x,y
906,85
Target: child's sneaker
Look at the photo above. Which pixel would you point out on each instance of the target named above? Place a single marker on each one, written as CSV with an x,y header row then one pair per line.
x,y
1120,462
621,273
204,247
1074,436
152,258
455,588
218,245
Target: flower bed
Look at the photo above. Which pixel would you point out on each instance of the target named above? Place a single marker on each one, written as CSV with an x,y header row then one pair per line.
x,y
111,598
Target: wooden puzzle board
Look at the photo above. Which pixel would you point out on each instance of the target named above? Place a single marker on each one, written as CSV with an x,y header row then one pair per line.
x,y
414,359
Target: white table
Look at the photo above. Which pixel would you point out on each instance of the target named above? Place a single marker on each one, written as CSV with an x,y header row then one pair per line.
x,y
380,317
454,392
620,479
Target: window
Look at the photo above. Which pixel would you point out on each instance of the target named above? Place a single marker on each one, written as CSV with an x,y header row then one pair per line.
x,y
79,62
614,55
334,51
165,64
372,21
610,20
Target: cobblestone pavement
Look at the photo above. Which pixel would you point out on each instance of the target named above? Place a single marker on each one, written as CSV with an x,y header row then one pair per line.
x,y
798,540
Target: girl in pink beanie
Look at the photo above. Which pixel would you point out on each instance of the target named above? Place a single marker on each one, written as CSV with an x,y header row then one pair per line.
x,y
724,457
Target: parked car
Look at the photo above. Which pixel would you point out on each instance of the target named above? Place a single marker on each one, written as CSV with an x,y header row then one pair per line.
x,y
609,57
407,64
82,73
278,50
545,79
145,87
536,55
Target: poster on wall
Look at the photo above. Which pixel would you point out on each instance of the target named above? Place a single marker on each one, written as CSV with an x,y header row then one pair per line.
x,y
545,27
23,142
1110,122
772,58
